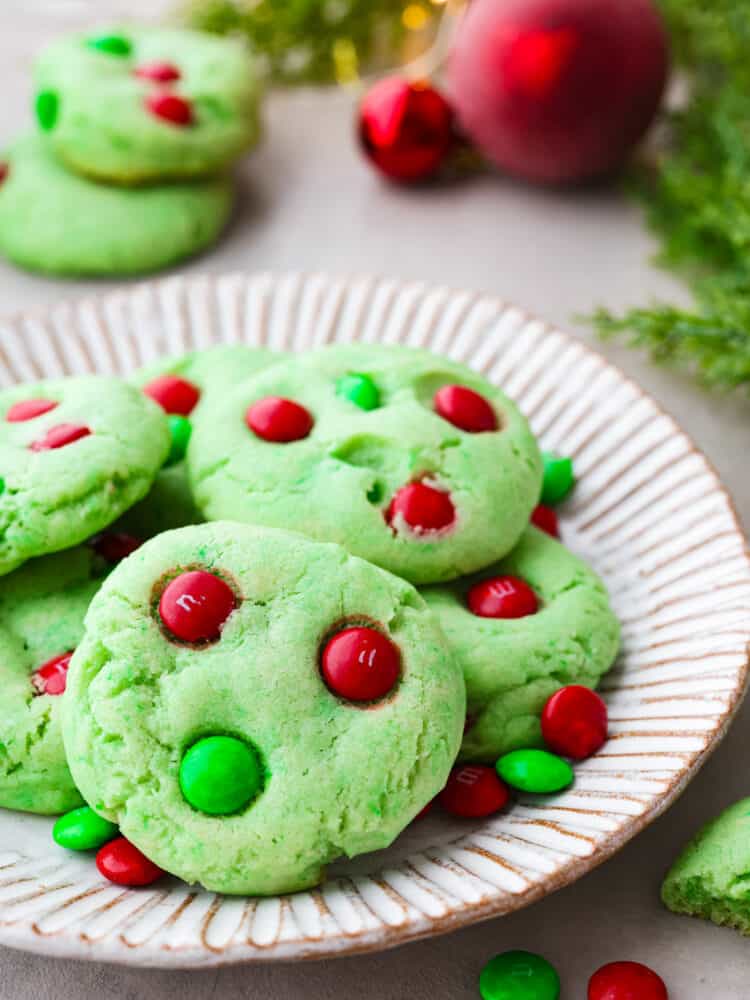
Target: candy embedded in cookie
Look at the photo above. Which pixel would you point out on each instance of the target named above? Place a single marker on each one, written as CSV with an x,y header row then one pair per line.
x,y
247,705
183,386
535,622
145,104
402,457
74,454
42,607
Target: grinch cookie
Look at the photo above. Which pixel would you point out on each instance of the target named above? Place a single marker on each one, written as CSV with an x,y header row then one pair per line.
x,y
134,104
42,607
521,629
248,705
710,878
180,385
58,223
75,453
406,459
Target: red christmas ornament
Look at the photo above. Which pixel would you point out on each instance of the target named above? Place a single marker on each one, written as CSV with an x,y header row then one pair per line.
x,y
502,597
465,409
279,420
157,72
122,863
4,169
173,394
405,129
423,508
626,981
360,664
52,676
195,605
114,546
473,791
170,108
558,90
60,435
27,409
574,722
546,519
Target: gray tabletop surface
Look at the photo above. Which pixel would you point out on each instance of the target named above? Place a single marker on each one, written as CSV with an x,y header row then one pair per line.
x,y
308,202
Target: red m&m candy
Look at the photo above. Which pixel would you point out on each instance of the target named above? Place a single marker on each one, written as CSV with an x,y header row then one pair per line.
x,y
170,108
422,508
195,605
502,597
114,546
425,811
626,981
360,664
545,519
465,408
279,420
52,676
157,72
27,409
574,722
474,790
173,394
122,863
60,435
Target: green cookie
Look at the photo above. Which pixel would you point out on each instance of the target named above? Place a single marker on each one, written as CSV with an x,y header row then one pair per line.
x,y
147,104
375,434
326,776
58,223
42,607
90,452
711,879
170,503
512,666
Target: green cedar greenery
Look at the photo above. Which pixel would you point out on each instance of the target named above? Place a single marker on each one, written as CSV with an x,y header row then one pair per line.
x,y
697,199
301,39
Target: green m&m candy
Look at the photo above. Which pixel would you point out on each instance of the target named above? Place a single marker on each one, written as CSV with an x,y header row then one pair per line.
x,y
535,771
180,430
113,45
360,390
46,106
83,830
519,975
220,775
558,478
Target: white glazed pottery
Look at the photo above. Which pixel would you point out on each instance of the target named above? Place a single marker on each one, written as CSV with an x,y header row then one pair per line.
x,y
648,513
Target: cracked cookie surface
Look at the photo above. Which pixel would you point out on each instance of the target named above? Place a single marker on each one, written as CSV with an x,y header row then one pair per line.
x,y
363,456
336,776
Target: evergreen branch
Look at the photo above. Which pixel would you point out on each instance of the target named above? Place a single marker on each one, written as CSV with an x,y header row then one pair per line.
x,y
697,200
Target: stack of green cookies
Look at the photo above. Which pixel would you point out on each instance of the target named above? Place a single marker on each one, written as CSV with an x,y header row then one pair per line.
x,y
255,607
127,171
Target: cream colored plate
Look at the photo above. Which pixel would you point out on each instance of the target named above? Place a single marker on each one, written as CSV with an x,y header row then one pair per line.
x,y
648,513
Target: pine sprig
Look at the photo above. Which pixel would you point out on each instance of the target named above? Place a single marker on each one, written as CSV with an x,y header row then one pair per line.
x,y
697,199
302,41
